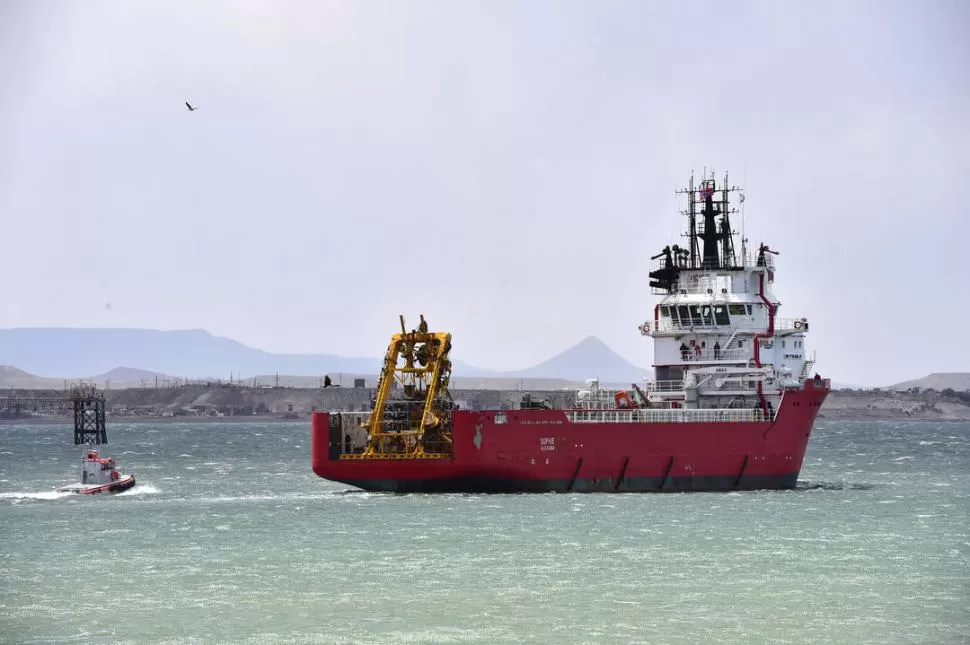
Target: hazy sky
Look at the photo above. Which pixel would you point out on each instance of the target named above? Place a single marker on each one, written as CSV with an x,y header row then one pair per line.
x,y
506,168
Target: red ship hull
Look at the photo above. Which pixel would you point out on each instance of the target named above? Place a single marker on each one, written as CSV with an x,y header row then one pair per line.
x,y
540,450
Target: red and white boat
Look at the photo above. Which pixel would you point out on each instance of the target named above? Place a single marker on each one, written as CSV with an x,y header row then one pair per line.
x,y
731,407
99,475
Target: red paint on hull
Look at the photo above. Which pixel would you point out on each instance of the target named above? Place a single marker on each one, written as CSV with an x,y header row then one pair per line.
x,y
119,486
541,450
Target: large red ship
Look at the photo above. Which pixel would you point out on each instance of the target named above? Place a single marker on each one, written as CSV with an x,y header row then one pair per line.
x,y
731,407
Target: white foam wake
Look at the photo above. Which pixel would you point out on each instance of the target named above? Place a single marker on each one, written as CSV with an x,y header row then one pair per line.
x,y
140,489
50,494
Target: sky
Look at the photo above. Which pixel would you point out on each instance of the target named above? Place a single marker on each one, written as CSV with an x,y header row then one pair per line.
x,y
505,168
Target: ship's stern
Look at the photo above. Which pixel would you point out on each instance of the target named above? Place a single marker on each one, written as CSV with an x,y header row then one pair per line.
x,y
328,440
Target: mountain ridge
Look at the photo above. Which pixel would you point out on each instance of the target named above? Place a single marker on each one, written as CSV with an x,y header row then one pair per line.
x,y
959,381
67,352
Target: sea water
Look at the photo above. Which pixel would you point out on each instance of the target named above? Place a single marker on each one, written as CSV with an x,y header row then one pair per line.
x,y
230,538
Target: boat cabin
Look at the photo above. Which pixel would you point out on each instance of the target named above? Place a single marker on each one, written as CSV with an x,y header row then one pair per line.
x,y
98,470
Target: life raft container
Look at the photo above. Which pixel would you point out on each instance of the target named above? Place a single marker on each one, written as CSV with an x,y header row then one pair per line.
x,y
623,400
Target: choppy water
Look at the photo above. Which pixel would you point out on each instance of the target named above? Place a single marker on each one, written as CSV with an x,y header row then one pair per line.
x,y
230,538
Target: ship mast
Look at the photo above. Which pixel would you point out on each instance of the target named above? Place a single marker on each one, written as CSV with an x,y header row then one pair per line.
x,y
726,234
706,199
692,250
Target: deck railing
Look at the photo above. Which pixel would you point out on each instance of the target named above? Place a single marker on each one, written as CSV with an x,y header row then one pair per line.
x,y
667,325
710,355
664,386
676,415
748,261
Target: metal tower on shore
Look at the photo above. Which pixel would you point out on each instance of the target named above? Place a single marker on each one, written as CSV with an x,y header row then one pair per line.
x,y
86,401
89,415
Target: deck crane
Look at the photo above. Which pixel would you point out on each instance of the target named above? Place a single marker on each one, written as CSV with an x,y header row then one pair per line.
x,y
411,416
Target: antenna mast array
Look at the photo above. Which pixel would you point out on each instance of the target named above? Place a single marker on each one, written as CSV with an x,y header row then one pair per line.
x,y
711,202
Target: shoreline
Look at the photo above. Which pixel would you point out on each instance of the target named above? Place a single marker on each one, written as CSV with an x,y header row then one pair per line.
x,y
36,421
201,405
160,420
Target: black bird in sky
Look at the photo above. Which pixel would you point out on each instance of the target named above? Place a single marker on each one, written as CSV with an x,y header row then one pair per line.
x,y
191,109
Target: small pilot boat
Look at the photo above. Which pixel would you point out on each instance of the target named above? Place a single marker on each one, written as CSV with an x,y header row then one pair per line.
x,y
99,475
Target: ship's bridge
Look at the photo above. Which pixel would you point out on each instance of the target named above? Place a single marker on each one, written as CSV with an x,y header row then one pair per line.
x,y
684,279
682,318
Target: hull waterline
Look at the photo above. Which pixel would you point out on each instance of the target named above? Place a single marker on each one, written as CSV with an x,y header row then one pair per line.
x,y
119,486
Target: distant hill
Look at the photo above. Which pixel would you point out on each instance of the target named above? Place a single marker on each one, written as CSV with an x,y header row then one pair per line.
x,y
76,352
129,375
120,377
959,381
186,353
12,377
590,358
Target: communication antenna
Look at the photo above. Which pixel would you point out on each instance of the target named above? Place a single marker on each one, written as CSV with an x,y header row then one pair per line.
x,y
744,184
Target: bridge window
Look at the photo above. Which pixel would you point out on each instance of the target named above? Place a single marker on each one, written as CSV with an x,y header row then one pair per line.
x,y
684,314
707,315
671,312
695,315
736,310
720,315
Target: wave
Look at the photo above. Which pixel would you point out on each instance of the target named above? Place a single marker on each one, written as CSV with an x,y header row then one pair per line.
x,y
831,486
288,497
48,495
45,495
139,489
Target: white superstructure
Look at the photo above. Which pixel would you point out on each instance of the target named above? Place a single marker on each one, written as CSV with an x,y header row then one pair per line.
x,y
719,341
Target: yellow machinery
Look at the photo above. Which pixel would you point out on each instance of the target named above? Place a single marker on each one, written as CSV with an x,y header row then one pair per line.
x,y
411,418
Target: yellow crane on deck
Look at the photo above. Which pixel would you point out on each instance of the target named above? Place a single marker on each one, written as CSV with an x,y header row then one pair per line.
x,y
412,420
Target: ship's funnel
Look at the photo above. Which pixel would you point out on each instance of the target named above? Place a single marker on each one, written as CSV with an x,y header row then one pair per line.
x,y
710,236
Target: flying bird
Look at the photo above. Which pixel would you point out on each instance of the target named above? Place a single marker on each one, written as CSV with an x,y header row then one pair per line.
x,y
191,109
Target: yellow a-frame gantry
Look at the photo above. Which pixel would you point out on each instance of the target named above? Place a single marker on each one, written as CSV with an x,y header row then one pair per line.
x,y
414,423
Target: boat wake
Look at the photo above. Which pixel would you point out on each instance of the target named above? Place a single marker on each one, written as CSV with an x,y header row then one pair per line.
x,y
44,495
292,497
139,489
806,486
